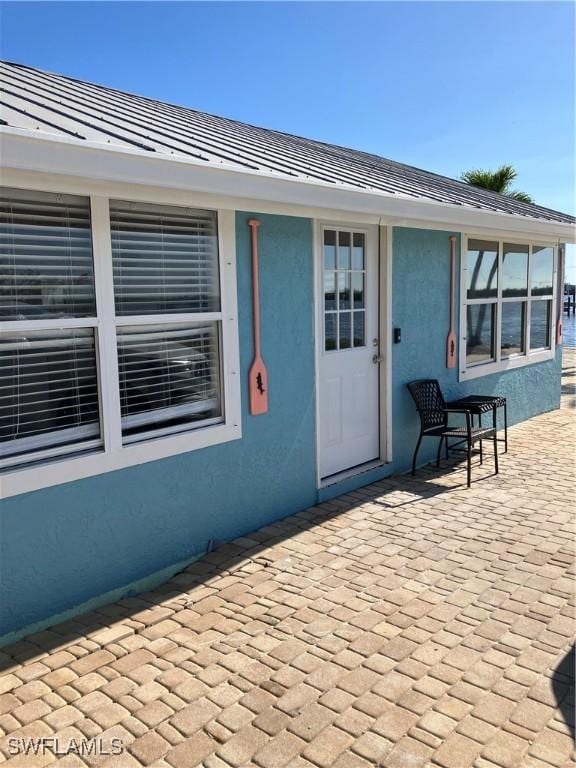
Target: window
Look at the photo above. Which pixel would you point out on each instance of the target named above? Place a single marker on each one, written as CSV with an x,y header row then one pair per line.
x,y
344,289
507,307
114,348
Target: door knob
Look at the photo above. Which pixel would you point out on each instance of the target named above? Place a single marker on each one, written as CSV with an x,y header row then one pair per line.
x,y
377,359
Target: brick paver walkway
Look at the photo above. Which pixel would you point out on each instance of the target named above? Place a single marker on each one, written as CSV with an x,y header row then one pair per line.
x,y
412,623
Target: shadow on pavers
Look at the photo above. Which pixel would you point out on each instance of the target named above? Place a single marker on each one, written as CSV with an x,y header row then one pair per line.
x,y
563,687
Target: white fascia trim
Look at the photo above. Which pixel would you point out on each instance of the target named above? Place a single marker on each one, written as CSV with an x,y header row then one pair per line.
x,y
23,150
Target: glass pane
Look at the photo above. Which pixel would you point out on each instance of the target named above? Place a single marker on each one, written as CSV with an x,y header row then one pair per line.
x,y
49,390
358,250
344,250
359,340
515,270
330,331
329,249
480,325
482,269
512,340
165,259
358,289
542,270
345,330
329,290
169,375
344,290
540,322
46,266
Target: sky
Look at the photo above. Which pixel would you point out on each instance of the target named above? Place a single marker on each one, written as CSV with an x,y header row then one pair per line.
x,y
442,86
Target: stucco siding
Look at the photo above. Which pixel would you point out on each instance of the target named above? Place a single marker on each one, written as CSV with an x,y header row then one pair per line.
x,y
420,291
67,544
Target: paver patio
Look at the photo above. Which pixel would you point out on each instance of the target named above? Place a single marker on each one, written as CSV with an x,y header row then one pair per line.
x,y
411,623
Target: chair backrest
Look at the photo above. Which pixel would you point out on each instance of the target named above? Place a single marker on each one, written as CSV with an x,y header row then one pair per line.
x,y
430,402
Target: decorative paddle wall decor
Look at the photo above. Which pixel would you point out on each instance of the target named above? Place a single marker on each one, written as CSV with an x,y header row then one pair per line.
x,y
560,299
451,340
257,376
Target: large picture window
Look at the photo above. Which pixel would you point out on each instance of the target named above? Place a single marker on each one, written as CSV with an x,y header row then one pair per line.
x,y
112,335
508,292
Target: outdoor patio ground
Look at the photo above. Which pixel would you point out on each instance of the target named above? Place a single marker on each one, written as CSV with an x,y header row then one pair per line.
x,y
411,623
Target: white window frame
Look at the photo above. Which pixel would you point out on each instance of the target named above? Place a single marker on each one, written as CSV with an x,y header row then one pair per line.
x,y
519,360
114,455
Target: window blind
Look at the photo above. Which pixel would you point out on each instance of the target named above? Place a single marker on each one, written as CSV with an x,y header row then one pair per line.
x,y
46,267
48,390
169,376
165,259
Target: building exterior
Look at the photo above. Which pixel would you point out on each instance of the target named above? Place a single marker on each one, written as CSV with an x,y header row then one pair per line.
x,y
128,447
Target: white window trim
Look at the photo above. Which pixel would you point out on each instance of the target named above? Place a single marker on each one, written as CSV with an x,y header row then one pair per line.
x,y
114,455
516,361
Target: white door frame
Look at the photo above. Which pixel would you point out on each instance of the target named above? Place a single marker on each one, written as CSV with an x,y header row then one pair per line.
x,y
385,330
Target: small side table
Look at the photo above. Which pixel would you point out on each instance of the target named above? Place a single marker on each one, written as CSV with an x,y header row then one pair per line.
x,y
479,404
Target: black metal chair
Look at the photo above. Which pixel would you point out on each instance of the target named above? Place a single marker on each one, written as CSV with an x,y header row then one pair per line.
x,y
434,414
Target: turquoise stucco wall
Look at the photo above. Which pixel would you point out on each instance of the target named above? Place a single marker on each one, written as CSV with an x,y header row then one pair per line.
x,y
62,546
420,290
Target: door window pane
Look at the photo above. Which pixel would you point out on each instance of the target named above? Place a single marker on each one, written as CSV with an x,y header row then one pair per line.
x,y
329,290
330,331
542,270
512,340
540,322
480,347
359,332
46,265
48,390
329,249
345,297
169,375
344,250
358,251
345,320
482,269
358,289
514,270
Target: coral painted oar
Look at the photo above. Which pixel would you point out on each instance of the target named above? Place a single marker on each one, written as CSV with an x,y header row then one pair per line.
x,y
451,340
560,300
257,375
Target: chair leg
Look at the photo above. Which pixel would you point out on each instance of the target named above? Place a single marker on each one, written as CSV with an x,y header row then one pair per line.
x,y
439,451
447,453
416,454
505,427
495,442
469,463
481,448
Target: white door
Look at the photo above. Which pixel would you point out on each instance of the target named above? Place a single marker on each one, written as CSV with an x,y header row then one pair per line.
x,y
348,344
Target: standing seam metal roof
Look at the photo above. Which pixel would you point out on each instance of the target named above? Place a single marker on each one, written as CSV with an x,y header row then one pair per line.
x,y
39,101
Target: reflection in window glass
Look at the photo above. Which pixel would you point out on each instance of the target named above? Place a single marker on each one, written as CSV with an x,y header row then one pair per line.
x,y
359,334
512,340
482,269
358,251
344,290
329,249
330,331
542,270
345,319
344,250
514,270
329,290
358,289
480,323
540,322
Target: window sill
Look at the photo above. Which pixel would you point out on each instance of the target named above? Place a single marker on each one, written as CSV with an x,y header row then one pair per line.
x,y
69,469
477,371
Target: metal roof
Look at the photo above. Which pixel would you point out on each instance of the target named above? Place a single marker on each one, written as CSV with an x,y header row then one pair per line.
x,y
39,101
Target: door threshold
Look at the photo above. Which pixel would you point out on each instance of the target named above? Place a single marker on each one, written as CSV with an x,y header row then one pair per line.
x,y
360,469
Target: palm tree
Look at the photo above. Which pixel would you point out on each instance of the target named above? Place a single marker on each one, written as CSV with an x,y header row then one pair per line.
x,y
499,181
